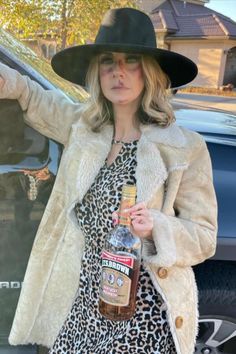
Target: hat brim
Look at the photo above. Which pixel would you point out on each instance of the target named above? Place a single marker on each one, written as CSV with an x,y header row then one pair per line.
x,y
72,63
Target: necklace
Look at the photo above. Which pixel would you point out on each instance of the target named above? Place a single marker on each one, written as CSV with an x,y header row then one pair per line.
x,y
120,142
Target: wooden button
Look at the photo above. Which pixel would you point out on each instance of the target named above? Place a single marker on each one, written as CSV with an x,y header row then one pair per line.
x,y
162,272
179,322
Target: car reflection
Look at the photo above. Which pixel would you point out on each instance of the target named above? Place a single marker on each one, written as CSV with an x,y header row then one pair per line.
x,y
28,165
32,181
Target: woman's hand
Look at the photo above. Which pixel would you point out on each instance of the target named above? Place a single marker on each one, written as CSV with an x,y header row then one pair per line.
x,y
2,82
141,220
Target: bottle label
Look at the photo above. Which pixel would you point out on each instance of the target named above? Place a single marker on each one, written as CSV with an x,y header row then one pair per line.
x,y
116,278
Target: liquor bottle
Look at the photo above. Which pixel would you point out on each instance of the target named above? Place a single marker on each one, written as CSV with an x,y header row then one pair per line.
x,y
121,258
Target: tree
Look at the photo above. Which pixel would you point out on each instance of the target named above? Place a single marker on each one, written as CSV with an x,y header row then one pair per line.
x,y
69,21
21,17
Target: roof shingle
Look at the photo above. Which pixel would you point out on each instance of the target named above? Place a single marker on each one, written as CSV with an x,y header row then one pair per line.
x,y
183,19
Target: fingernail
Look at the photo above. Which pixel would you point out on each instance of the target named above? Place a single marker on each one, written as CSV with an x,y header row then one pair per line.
x,y
126,210
114,222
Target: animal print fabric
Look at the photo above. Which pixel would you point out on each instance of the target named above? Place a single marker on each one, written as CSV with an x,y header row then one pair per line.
x,y
85,331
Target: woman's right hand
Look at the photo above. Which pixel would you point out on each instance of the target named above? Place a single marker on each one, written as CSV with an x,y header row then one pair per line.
x,y
5,91
2,82
11,86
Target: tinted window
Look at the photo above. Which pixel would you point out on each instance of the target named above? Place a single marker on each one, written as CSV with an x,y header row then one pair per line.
x,y
27,160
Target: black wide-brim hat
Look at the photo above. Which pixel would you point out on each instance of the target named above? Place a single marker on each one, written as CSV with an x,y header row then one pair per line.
x,y
123,30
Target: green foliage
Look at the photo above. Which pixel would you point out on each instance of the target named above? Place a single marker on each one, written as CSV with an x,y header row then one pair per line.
x,y
22,17
69,21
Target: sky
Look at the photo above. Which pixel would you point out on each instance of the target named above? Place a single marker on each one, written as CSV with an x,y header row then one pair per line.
x,y
225,7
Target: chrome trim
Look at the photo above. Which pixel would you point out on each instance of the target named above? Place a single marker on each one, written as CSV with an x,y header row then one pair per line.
x,y
222,141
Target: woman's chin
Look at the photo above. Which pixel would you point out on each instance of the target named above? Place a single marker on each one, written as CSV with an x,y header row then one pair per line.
x,y
122,101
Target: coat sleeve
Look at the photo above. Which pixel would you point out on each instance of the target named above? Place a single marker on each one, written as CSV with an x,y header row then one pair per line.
x,y
189,237
48,111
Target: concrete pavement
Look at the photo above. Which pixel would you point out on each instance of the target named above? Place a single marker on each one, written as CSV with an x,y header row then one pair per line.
x,y
205,101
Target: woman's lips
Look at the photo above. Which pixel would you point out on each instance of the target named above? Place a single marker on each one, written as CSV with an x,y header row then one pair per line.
x,y
119,88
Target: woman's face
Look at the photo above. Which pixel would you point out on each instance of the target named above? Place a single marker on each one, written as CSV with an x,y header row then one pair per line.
x,y
121,77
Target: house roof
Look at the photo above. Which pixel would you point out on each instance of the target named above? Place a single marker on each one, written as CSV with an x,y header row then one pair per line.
x,y
183,19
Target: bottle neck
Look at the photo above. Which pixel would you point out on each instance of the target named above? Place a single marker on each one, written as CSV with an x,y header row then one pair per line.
x,y
123,217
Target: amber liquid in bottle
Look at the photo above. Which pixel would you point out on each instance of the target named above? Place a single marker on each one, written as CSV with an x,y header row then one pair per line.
x,y
121,259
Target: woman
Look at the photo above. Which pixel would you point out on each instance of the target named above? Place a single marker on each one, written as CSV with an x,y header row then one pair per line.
x,y
123,134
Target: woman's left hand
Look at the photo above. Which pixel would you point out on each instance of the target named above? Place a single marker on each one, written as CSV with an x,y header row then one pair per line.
x,y
141,220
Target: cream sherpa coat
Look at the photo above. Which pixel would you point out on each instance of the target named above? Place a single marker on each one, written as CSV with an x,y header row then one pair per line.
x,y
174,178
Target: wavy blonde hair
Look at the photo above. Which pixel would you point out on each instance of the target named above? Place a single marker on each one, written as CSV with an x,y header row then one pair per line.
x,y
154,107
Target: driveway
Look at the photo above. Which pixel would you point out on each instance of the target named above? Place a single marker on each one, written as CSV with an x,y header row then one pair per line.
x,y
218,102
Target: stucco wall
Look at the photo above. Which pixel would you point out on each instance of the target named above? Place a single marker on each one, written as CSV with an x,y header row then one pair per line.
x,y
45,48
207,55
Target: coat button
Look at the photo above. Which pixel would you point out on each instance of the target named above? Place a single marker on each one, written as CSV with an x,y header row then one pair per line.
x,y
179,322
162,272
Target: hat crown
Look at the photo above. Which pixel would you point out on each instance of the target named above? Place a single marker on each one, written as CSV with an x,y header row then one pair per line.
x,y
126,26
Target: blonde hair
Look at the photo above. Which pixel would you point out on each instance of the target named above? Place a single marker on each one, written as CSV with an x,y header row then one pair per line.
x,y
154,108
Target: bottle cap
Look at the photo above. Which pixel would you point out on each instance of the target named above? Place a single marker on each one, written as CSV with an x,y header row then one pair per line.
x,y
129,190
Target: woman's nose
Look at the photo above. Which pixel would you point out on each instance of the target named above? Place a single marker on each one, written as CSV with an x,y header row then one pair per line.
x,y
118,67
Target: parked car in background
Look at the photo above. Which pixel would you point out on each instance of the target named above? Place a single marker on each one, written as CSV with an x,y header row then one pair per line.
x,y
28,167
216,278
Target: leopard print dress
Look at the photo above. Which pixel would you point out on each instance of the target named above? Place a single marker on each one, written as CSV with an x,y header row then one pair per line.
x,y
85,331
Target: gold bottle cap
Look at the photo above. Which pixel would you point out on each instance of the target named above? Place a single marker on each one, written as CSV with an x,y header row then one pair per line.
x,y
129,190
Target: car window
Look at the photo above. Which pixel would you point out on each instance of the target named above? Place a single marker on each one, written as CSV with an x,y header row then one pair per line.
x,y
23,196
17,140
28,165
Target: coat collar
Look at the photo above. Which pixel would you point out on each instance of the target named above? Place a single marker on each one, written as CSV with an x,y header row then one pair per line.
x,y
151,170
170,136
153,166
